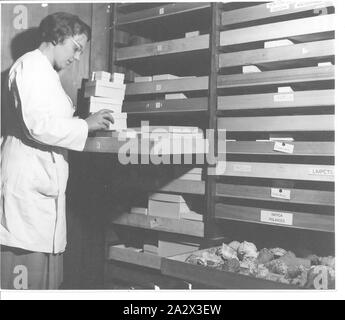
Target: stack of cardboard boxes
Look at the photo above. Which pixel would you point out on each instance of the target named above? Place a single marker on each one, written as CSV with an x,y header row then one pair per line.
x,y
164,205
106,91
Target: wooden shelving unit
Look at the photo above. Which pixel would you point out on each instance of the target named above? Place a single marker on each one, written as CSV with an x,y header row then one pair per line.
x,y
290,95
251,109
160,50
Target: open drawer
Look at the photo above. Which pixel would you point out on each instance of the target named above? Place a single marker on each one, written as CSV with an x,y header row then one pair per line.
x,y
134,256
210,278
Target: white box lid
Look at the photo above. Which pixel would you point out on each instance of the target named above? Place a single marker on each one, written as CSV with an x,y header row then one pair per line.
x,y
105,84
94,99
164,197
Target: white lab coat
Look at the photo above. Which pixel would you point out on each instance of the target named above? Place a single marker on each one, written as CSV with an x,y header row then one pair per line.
x,y
34,168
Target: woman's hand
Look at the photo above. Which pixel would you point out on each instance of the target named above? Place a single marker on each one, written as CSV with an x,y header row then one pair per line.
x,y
100,120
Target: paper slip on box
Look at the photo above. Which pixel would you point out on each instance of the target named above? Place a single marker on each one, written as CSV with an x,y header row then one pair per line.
x,y
139,210
167,205
98,103
324,64
278,43
285,90
280,137
250,69
192,34
160,77
142,79
173,245
105,89
175,96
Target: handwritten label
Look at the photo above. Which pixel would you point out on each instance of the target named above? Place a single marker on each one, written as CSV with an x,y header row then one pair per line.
x,y
158,87
98,145
284,97
321,172
281,218
159,48
283,147
278,6
147,105
161,11
158,105
242,168
281,193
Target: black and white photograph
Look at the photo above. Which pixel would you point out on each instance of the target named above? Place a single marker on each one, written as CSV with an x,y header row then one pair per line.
x,y
168,147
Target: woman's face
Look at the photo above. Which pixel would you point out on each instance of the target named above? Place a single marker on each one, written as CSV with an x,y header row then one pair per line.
x,y
68,51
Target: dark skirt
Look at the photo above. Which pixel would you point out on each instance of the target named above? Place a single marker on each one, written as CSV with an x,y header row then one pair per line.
x,y
21,269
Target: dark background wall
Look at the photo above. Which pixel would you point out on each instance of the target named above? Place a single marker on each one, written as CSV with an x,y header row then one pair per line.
x,y
84,257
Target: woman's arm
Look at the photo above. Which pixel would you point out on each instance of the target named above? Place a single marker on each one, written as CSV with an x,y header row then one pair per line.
x,y
36,93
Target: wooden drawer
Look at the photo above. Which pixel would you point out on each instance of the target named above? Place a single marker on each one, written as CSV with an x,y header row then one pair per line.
x,y
296,220
279,30
215,279
129,255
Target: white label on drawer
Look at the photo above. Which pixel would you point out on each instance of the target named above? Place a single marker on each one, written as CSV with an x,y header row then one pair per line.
x,y
283,147
284,97
281,193
275,217
242,168
147,105
159,47
278,6
161,11
158,105
321,172
313,4
158,87
98,145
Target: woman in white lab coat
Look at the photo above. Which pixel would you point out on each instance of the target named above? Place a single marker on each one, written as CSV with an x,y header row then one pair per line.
x,y
34,164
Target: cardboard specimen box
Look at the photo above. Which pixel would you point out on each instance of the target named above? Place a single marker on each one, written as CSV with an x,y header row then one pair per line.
x,y
105,89
98,103
167,205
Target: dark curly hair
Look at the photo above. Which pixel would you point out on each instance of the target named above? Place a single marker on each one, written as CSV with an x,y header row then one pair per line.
x,y
58,26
